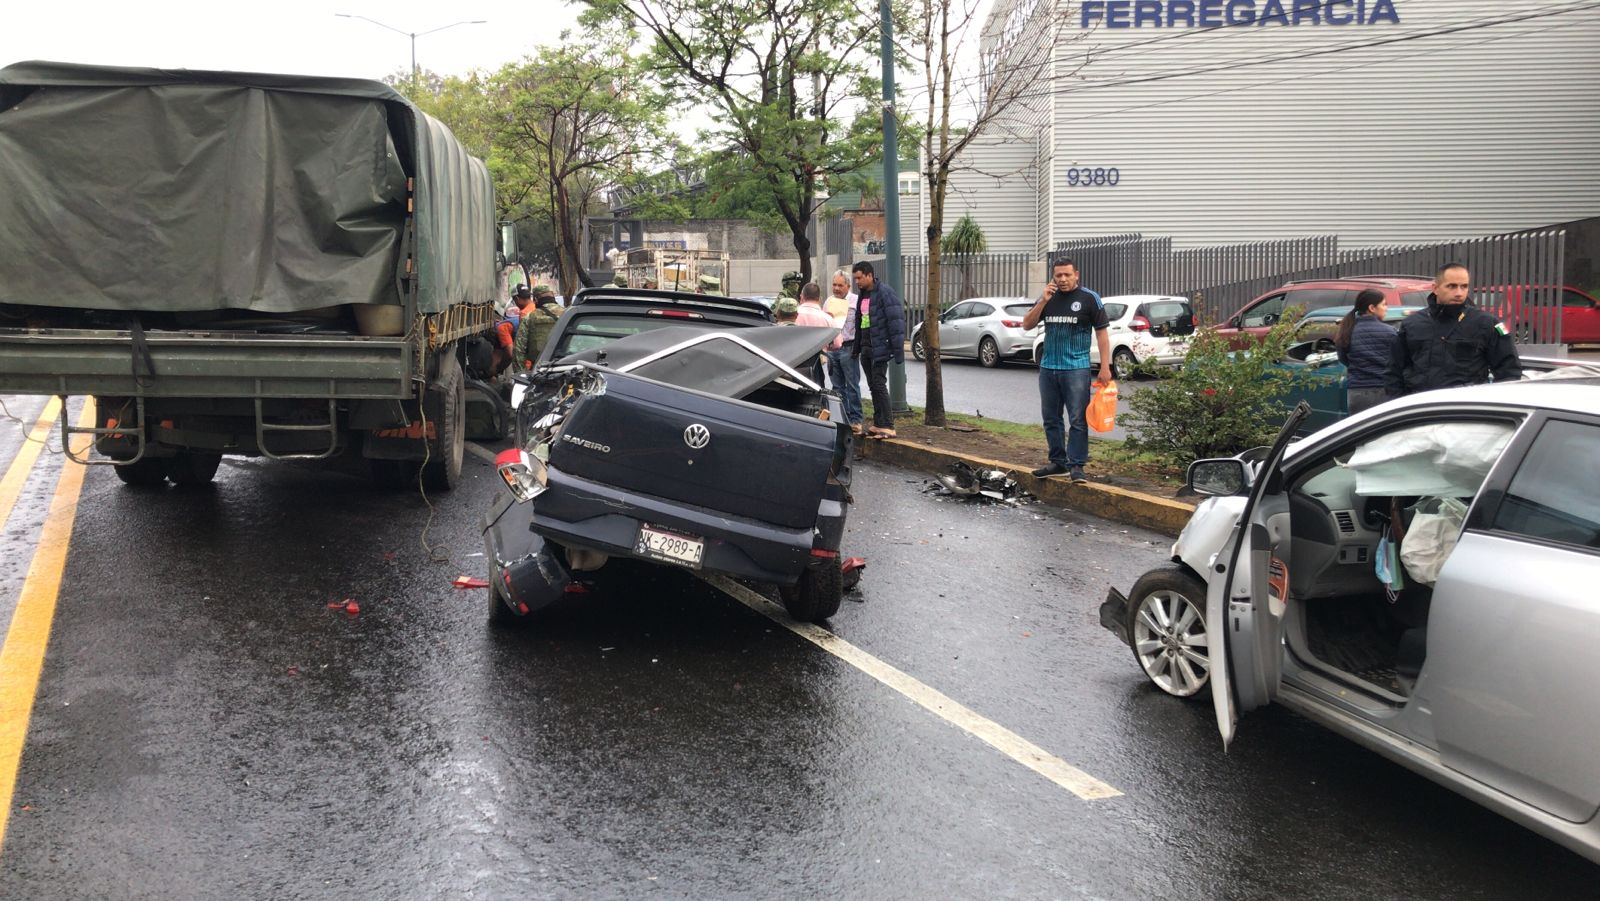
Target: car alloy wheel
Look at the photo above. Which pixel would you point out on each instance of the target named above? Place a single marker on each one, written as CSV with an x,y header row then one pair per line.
x,y
1168,629
918,349
988,352
1122,363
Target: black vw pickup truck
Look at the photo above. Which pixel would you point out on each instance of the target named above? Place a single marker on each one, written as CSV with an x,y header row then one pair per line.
x,y
681,429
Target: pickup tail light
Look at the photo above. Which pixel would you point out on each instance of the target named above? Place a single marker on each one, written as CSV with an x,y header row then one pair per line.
x,y
1140,324
1011,323
524,475
674,314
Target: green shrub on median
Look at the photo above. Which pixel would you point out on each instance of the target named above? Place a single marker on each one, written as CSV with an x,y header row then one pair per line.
x,y
1217,403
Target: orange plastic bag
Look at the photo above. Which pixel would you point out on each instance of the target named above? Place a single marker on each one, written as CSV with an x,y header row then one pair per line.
x,y
1102,413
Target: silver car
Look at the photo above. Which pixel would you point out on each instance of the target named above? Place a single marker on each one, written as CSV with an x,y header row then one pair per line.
x,y
987,329
1419,578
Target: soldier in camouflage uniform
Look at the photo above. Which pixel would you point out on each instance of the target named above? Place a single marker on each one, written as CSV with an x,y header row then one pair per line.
x,y
537,322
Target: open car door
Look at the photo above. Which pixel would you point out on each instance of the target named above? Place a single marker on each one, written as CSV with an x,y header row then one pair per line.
x,y
1245,605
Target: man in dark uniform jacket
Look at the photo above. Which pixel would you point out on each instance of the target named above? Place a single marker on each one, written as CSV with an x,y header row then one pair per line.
x,y
1451,343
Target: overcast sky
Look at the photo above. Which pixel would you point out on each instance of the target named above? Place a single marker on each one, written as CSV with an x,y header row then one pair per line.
x,y
287,36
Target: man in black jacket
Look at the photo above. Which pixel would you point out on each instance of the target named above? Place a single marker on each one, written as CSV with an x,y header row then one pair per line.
x,y
1451,343
880,339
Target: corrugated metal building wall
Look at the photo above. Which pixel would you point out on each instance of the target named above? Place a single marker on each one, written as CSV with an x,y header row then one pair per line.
x,y
1464,118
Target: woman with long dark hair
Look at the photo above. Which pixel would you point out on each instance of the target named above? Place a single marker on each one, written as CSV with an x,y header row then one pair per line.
x,y
1365,344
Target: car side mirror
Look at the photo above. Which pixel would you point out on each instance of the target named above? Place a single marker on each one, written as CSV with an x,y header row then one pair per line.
x,y
1220,477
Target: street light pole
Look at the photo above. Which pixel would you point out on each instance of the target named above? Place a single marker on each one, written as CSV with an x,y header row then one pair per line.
x,y
891,197
413,35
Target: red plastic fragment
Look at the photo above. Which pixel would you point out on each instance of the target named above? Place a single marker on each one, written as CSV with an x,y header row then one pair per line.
x,y
522,608
470,582
853,563
352,608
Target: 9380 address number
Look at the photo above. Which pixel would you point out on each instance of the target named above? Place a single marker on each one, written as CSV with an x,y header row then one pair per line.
x,y
1093,178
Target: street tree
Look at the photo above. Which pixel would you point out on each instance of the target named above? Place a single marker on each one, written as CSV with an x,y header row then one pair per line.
x,y
578,115
789,86
1009,95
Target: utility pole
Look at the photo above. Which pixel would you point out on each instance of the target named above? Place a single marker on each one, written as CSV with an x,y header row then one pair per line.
x,y
891,197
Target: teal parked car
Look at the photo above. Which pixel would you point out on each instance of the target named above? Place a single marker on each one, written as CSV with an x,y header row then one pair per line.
x,y
1313,362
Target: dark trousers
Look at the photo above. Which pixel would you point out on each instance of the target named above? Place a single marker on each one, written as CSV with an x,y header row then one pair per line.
x,y
878,384
1364,398
1069,389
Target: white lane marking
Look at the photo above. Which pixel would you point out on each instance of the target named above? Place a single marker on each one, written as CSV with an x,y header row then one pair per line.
x,y
481,452
995,735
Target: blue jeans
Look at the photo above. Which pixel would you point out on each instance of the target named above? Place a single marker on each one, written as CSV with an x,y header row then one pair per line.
x,y
1067,388
845,374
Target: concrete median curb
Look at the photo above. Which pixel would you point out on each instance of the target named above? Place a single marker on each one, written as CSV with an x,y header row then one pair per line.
x,y
1131,507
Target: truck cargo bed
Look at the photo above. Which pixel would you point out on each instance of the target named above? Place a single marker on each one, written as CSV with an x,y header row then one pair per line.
x,y
220,364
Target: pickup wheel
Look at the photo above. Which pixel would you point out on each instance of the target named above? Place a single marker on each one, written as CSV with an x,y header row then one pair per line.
x,y
500,614
190,468
146,473
818,594
445,474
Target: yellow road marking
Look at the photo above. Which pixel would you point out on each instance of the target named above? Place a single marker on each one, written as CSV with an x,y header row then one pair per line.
x,y
22,656
22,465
995,735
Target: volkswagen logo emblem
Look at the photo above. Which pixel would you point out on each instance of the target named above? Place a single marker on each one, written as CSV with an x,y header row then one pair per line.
x,y
697,436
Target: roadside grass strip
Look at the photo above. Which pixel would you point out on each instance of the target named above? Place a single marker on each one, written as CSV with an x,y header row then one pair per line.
x,y
28,454
995,735
22,656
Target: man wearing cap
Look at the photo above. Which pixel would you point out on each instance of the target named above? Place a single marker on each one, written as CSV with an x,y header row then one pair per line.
x,y
537,323
621,281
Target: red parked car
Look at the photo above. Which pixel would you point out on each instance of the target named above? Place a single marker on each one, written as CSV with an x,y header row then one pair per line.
x,y
1580,312
1257,317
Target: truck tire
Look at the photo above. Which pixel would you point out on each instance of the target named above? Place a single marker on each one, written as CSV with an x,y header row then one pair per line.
x,y
189,468
397,475
445,474
145,473
818,594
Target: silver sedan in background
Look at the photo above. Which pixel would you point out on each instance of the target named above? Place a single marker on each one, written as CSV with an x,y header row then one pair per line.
x,y
987,329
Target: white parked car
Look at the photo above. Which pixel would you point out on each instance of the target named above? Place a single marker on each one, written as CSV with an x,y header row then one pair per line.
x,y
1418,578
988,329
1143,327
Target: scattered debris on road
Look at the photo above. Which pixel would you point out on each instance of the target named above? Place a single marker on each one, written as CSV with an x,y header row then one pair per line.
x,y
994,484
464,581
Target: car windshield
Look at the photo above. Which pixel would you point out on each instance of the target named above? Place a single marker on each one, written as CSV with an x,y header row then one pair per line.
x,y
600,329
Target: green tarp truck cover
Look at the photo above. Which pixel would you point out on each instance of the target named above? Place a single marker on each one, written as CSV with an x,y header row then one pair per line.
x,y
154,190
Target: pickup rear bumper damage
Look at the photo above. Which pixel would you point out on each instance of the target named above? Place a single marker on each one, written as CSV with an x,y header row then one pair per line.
x,y
587,514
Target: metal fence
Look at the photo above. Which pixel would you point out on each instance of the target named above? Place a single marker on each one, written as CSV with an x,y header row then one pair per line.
x,y
1222,279
962,276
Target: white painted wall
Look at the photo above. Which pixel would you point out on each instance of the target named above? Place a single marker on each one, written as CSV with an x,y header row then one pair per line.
x,y
1483,131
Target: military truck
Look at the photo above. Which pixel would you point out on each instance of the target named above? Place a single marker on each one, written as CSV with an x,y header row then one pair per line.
x,y
232,263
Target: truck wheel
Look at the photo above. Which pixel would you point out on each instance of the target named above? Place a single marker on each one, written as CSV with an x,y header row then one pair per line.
x,y
445,474
397,475
189,468
146,473
818,594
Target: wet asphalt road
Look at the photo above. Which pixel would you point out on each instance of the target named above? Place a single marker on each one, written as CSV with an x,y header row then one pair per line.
x,y
207,727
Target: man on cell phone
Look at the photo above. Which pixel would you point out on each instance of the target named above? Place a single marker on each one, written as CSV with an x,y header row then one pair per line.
x,y
1073,317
